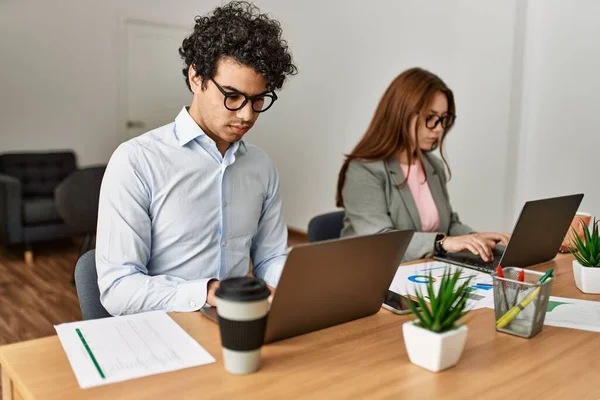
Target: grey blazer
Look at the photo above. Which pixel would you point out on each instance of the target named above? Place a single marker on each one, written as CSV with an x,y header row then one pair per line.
x,y
373,203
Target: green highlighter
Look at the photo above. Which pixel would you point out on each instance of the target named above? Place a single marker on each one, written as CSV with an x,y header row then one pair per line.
x,y
547,275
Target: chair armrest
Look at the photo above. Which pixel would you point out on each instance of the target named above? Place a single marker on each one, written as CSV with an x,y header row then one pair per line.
x,y
11,226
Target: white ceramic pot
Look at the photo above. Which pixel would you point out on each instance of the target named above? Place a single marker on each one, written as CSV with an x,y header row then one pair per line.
x,y
587,279
433,351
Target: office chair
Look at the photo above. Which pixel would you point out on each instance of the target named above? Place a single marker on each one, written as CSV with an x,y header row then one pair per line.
x,y
326,226
86,283
77,200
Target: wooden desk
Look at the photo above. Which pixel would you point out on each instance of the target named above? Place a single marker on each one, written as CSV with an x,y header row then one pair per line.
x,y
361,359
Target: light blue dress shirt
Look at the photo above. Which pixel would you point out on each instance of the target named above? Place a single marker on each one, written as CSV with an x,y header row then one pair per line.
x,y
174,214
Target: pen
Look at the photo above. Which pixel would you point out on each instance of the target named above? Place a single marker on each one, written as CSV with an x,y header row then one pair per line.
x,y
501,275
520,278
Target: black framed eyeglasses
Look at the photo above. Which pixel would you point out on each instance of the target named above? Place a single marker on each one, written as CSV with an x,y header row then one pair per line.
x,y
234,101
447,120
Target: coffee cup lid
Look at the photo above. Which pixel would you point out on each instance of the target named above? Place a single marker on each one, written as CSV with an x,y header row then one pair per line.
x,y
243,288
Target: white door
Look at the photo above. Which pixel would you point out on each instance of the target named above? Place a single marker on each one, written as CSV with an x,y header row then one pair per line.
x,y
155,87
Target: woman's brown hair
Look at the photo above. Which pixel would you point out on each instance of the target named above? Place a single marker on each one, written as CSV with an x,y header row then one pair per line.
x,y
410,94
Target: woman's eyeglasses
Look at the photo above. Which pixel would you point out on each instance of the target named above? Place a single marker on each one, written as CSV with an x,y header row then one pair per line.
x,y
447,120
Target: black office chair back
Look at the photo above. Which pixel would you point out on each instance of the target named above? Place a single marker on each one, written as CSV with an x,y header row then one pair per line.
x,y
86,282
77,199
326,226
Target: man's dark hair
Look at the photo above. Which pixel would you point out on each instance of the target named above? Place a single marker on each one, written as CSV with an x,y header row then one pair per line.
x,y
238,30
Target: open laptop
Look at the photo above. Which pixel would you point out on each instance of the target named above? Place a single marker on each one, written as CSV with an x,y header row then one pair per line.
x,y
331,282
536,238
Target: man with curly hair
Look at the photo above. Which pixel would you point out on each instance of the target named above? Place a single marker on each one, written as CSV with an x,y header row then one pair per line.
x,y
190,203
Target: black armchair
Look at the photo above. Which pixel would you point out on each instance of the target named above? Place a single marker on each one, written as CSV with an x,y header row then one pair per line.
x,y
28,212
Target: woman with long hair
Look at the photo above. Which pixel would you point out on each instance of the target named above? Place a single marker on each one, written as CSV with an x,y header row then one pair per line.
x,y
392,181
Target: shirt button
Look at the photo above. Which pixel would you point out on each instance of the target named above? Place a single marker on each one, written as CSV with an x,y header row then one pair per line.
x,y
192,303
224,243
224,204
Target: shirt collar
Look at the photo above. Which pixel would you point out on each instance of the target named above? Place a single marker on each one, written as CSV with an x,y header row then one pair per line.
x,y
186,130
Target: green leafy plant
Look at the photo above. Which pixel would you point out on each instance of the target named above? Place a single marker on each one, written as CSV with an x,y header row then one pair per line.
x,y
447,305
587,250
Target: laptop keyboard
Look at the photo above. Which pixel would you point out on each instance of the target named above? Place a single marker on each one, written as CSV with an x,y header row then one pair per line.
x,y
487,265
476,262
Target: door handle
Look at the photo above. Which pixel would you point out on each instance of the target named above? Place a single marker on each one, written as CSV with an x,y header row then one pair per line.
x,y
135,124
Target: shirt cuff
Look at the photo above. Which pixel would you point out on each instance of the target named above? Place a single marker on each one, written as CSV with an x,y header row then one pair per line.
x,y
191,295
272,274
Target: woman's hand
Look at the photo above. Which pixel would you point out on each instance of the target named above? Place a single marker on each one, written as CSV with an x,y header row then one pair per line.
x,y
480,244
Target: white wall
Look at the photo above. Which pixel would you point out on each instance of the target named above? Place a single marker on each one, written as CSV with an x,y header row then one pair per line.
x,y
57,77
559,139
59,71
348,52
522,73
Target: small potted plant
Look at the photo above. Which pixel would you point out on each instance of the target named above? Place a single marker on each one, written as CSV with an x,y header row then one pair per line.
x,y
586,266
434,340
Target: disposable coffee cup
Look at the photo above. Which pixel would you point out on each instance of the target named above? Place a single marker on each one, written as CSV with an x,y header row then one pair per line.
x,y
242,306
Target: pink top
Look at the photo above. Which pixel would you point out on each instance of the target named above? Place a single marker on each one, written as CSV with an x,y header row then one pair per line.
x,y
430,218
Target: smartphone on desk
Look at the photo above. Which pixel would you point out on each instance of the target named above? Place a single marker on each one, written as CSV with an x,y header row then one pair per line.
x,y
210,313
396,303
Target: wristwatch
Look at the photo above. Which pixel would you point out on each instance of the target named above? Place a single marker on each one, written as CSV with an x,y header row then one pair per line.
x,y
437,247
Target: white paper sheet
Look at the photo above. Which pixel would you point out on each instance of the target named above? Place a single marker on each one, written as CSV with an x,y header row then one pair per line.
x,y
409,277
128,347
573,313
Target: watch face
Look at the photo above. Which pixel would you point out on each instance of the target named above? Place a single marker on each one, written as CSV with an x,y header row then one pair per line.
x,y
438,248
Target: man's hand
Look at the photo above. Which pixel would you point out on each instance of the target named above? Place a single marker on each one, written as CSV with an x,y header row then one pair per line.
x,y
272,289
212,287
480,244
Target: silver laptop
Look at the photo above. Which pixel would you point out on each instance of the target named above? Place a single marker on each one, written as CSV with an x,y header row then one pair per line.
x,y
331,282
536,238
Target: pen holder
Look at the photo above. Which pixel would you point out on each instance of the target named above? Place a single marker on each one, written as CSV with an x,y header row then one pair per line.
x,y
520,307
